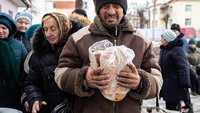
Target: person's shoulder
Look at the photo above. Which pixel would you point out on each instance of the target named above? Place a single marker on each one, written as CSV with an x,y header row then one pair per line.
x,y
81,33
17,43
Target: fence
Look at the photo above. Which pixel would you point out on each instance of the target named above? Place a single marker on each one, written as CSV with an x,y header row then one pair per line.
x,y
147,33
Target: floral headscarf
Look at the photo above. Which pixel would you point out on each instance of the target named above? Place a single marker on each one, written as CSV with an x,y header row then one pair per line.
x,y
64,24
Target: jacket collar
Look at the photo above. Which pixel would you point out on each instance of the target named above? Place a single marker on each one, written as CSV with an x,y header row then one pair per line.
x,y
98,27
176,42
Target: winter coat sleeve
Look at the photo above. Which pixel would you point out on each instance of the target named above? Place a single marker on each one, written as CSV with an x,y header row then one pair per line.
x,y
68,77
33,82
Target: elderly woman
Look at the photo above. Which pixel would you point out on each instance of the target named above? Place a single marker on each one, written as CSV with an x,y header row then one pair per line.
x,y
175,71
12,54
43,94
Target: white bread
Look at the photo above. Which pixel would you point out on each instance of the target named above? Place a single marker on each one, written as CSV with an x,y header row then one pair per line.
x,y
112,60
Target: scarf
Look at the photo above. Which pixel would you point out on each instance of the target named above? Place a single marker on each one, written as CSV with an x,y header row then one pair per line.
x,y
8,67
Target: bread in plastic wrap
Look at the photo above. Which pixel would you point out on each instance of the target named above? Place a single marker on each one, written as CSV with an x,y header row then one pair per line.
x,y
113,59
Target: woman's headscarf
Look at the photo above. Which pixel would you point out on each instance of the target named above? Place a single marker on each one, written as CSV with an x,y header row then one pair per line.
x,y
64,24
8,67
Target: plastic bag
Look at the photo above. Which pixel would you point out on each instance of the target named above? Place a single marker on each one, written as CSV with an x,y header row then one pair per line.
x,y
95,52
113,59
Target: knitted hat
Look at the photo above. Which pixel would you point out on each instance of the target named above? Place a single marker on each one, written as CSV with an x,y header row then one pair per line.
x,y
169,35
192,41
8,21
100,3
80,11
23,15
175,27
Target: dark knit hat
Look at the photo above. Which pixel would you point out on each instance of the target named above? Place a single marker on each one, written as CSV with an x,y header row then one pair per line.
x,y
192,41
80,11
8,21
100,3
175,27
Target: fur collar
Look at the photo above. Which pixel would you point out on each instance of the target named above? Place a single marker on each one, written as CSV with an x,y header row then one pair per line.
x,y
176,42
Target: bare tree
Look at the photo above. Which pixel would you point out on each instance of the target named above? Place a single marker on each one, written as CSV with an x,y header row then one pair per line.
x,y
165,14
142,17
136,14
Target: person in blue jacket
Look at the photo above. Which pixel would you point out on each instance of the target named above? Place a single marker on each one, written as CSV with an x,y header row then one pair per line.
x,y
12,55
177,30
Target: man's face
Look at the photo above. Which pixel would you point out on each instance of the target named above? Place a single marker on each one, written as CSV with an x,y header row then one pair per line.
x,y
192,45
22,24
111,14
176,32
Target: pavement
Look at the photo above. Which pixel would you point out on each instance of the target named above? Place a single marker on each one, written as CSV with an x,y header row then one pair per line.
x,y
195,101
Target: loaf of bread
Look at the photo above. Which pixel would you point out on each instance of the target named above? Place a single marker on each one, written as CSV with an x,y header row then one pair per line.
x,y
113,60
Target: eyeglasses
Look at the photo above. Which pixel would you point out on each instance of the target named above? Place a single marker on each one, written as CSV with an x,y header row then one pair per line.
x,y
23,22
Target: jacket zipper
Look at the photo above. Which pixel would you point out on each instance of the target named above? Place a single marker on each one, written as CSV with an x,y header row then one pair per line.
x,y
115,39
115,44
114,107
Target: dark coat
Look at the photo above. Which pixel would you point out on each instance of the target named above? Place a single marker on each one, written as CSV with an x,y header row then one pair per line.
x,y
175,71
40,83
21,37
10,86
185,43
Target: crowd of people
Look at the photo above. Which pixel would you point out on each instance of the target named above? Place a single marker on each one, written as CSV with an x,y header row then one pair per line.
x,y
43,64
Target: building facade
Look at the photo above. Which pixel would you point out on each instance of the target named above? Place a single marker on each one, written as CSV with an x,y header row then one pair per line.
x,y
11,6
166,12
62,6
175,11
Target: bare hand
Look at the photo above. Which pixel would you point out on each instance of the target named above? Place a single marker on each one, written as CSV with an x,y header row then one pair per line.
x,y
96,78
37,105
129,77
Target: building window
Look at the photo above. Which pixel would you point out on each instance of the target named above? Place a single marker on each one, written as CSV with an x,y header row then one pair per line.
x,y
170,8
85,5
188,8
188,22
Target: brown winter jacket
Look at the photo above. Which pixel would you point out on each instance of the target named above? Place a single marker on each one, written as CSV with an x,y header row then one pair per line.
x,y
74,62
